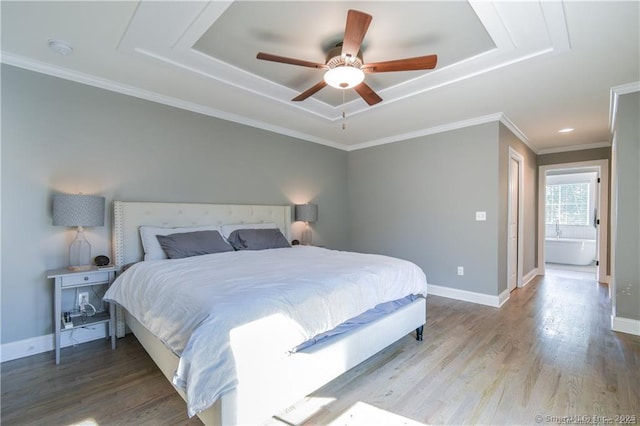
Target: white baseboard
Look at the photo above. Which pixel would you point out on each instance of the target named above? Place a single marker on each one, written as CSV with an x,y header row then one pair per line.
x,y
468,296
529,277
480,298
46,343
503,297
625,325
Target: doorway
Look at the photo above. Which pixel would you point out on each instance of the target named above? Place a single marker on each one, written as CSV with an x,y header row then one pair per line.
x,y
572,219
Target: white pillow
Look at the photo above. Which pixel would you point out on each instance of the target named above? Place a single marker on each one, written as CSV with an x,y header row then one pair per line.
x,y
151,245
228,229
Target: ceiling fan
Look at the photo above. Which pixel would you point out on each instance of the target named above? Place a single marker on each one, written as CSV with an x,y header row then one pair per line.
x,y
344,64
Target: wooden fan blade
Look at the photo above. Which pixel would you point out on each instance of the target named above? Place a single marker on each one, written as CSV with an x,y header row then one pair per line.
x,y
291,61
409,64
355,29
304,95
367,94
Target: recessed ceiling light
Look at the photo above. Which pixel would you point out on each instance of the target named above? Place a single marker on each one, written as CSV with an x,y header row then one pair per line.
x,y
566,130
61,47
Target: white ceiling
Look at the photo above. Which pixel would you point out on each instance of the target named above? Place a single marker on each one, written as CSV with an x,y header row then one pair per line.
x,y
536,66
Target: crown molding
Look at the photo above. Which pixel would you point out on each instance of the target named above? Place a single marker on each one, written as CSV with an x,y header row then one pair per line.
x,y
102,83
490,118
517,132
428,131
90,80
616,92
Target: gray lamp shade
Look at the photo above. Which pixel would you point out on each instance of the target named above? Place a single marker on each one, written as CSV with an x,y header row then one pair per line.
x,y
78,210
306,212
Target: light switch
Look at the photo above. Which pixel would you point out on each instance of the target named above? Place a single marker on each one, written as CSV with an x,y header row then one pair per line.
x,y
481,216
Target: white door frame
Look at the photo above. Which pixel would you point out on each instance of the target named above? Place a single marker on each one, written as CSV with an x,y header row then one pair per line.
x,y
603,211
514,155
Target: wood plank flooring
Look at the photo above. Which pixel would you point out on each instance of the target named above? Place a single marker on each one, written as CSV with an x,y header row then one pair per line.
x,y
548,352
92,385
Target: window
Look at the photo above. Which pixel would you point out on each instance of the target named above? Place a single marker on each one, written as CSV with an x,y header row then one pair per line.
x,y
568,204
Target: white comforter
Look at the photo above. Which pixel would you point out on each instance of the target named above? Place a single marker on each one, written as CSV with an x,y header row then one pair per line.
x,y
193,304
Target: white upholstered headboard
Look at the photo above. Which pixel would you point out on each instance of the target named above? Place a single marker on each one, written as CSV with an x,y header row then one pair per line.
x,y
129,216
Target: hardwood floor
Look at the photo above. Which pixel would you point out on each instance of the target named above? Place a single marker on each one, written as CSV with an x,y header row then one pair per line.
x,y
548,352
92,385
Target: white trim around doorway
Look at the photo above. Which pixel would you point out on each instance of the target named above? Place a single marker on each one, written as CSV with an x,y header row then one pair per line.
x,y
515,155
603,212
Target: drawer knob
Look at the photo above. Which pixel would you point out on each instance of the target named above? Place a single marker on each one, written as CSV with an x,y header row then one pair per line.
x,y
86,278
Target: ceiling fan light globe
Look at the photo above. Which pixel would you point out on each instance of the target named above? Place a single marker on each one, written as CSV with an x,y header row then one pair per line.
x,y
344,77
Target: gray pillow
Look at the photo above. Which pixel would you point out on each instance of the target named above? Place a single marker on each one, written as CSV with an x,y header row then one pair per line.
x,y
197,243
257,239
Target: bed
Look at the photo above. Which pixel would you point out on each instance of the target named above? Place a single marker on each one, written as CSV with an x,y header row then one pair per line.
x,y
265,378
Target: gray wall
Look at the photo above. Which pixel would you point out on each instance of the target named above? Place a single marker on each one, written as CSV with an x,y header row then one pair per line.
x,y
574,156
626,272
60,136
417,200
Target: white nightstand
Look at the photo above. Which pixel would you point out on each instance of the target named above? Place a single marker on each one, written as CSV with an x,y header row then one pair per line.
x,y
66,279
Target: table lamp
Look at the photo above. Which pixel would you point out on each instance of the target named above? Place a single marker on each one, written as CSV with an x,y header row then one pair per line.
x,y
78,210
306,213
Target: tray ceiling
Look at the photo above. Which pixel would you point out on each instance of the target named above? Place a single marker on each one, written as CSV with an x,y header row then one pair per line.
x,y
246,28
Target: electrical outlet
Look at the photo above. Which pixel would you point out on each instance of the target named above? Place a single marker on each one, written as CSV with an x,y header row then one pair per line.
x,y
460,270
83,299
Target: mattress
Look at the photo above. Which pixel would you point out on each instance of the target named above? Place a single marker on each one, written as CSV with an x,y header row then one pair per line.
x,y
366,317
196,305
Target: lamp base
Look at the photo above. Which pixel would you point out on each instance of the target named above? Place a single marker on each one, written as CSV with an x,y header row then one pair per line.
x,y
80,252
305,238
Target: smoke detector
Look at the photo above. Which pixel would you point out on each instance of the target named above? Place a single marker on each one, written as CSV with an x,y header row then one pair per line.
x,y
61,47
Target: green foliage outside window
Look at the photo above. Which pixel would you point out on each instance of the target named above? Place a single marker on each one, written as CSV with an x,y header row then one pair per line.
x,y
567,204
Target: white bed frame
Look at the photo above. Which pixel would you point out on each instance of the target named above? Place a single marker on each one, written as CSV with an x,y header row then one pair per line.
x,y
269,381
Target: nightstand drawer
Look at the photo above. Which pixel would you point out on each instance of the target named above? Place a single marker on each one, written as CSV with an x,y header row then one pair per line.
x,y
93,277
